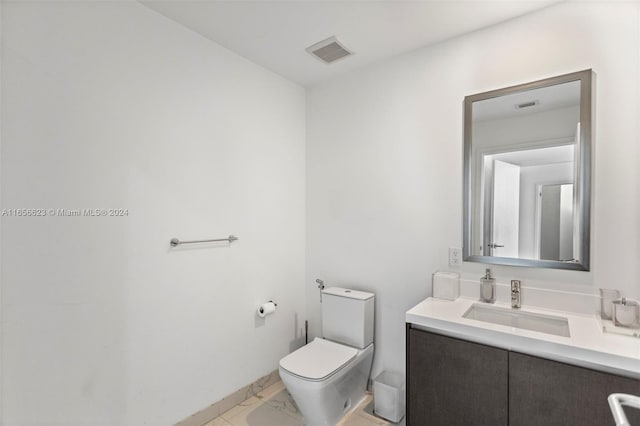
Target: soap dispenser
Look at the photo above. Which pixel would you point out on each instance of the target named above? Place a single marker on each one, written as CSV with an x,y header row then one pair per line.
x,y
488,288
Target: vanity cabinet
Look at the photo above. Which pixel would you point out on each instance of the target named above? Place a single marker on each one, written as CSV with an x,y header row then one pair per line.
x,y
546,393
453,382
457,382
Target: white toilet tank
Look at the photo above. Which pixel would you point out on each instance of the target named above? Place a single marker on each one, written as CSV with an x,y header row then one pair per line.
x,y
347,316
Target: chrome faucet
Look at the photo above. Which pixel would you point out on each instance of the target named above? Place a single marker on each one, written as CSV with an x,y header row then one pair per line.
x,y
516,300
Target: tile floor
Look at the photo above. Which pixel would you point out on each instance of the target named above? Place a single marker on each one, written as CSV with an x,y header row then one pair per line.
x,y
275,407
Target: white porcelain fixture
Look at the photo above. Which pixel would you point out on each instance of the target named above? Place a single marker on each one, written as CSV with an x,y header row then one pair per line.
x,y
328,377
549,324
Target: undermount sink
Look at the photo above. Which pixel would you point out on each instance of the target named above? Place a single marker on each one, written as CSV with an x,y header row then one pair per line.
x,y
549,324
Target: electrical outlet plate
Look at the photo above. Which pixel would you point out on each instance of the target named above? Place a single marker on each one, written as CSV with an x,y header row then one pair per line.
x,y
455,256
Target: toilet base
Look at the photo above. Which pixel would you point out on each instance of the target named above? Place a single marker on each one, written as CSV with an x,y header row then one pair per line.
x,y
326,402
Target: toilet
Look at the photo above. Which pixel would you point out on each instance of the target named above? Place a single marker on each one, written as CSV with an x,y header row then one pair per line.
x,y
328,376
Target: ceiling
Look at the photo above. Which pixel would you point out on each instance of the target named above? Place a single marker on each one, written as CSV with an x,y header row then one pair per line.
x,y
275,34
538,156
546,98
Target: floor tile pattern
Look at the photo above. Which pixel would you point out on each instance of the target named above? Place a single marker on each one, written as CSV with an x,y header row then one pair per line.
x,y
273,406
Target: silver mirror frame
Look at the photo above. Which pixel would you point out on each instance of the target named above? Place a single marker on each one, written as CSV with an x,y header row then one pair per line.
x,y
584,173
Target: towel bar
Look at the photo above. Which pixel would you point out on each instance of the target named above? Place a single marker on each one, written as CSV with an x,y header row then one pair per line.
x,y
176,242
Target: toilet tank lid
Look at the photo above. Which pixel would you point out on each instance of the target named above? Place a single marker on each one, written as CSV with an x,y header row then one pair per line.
x,y
345,292
318,359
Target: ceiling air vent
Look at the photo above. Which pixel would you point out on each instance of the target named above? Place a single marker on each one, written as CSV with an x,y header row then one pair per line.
x,y
329,50
527,104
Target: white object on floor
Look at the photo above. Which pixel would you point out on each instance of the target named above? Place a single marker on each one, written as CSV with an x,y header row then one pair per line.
x,y
389,396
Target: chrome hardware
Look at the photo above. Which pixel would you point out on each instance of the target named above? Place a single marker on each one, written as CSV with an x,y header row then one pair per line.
x,y
516,300
488,288
616,401
176,242
494,245
321,287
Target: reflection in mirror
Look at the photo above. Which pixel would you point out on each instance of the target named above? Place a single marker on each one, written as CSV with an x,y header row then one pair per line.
x,y
527,165
555,222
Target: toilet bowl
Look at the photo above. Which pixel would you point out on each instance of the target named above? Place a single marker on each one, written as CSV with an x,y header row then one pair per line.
x,y
326,380
329,376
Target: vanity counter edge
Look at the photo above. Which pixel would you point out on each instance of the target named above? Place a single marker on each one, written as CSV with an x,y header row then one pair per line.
x,y
587,345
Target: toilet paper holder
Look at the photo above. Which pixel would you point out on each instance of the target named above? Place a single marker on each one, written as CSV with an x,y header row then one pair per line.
x,y
267,308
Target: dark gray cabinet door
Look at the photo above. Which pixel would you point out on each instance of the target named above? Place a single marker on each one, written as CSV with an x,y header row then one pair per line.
x,y
547,393
453,382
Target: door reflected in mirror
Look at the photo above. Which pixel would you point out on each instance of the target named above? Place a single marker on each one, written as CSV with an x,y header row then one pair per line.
x,y
555,236
527,174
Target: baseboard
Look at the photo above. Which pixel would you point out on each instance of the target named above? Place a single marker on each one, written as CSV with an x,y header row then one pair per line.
x,y
225,404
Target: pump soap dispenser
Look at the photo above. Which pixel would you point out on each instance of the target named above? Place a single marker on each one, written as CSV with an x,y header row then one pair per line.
x,y
488,288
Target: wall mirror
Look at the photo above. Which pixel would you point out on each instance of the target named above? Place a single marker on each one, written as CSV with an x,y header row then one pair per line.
x,y
527,174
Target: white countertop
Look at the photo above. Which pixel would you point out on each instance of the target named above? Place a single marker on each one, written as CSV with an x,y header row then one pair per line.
x,y
587,347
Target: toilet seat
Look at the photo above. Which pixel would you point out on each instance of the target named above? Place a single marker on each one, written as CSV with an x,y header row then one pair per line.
x,y
318,360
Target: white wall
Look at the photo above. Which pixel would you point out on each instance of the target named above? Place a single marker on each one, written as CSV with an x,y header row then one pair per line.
x,y
530,178
1,309
111,105
384,160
